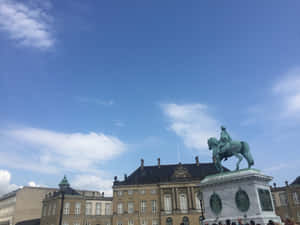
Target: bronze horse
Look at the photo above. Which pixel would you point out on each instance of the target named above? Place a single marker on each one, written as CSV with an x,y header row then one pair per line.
x,y
237,149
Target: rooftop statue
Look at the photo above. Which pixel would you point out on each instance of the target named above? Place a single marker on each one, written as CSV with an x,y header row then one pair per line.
x,y
226,147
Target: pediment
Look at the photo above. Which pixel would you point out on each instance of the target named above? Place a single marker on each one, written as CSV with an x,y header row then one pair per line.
x,y
181,172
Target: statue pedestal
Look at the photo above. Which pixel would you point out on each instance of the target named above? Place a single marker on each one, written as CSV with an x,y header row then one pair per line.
x,y
243,194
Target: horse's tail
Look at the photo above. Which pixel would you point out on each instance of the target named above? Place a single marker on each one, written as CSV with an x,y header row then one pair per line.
x,y
245,151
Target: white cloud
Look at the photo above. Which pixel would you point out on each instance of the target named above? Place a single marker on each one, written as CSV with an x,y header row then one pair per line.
x,y
288,91
33,184
5,185
28,24
193,123
73,151
92,182
96,101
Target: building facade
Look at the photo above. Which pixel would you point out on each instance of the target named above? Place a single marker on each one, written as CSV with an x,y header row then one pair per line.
x,y
22,204
287,200
161,195
70,207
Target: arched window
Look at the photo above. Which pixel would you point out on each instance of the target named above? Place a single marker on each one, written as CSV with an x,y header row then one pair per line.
x,y
185,220
183,202
169,221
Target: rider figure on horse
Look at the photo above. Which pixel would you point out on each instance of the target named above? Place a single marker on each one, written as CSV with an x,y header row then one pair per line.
x,y
225,140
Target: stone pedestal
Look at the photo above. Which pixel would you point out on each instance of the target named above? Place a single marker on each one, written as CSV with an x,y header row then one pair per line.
x,y
243,194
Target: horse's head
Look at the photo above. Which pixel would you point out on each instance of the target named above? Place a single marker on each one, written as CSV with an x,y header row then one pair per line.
x,y
212,143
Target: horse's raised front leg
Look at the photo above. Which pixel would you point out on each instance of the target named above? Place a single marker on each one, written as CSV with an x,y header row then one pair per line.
x,y
240,158
219,164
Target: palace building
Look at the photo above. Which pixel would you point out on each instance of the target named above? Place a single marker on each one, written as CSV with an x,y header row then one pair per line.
x,y
71,207
287,200
161,194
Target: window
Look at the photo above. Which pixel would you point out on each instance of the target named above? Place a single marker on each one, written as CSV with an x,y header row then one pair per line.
x,y
143,206
153,191
183,202
185,220
88,208
54,209
296,198
77,208
154,222
49,210
144,222
283,198
66,208
98,208
130,222
198,200
120,193
120,223
169,221
44,210
168,203
142,192
130,192
120,208
154,207
107,208
274,201
130,207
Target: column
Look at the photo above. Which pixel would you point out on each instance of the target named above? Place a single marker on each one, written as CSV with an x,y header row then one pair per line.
x,y
189,198
173,199
193,198
162,207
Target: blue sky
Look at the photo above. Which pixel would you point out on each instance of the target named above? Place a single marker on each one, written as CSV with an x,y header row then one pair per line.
x,y
88,88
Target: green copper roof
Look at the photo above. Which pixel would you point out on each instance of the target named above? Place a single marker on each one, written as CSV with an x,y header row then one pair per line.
x,y
64,182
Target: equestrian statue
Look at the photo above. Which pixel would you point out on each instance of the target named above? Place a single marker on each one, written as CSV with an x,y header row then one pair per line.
x,y
226,148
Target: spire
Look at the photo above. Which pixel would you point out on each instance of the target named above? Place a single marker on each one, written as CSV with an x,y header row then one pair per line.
x,y
64,183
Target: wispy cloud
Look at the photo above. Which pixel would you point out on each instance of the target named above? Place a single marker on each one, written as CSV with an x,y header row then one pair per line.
x,y
28,24
191,122
71,151
118,123
5,182
88,181
288,91
95,101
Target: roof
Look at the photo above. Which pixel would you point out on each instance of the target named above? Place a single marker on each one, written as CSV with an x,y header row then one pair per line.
x,y
9,195
64,182
29,222
169,173
296,181
66,191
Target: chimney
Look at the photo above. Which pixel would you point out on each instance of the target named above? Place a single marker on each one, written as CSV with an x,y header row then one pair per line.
x,y
286,183
116,178
158,162
197,160
142,164
102,194
125,177
274,185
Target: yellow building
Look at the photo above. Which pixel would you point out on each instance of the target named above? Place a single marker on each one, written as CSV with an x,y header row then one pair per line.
x,y
161,195
70,207
287,200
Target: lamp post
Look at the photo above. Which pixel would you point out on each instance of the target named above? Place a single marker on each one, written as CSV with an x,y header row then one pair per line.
x,y
61,207
201,218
